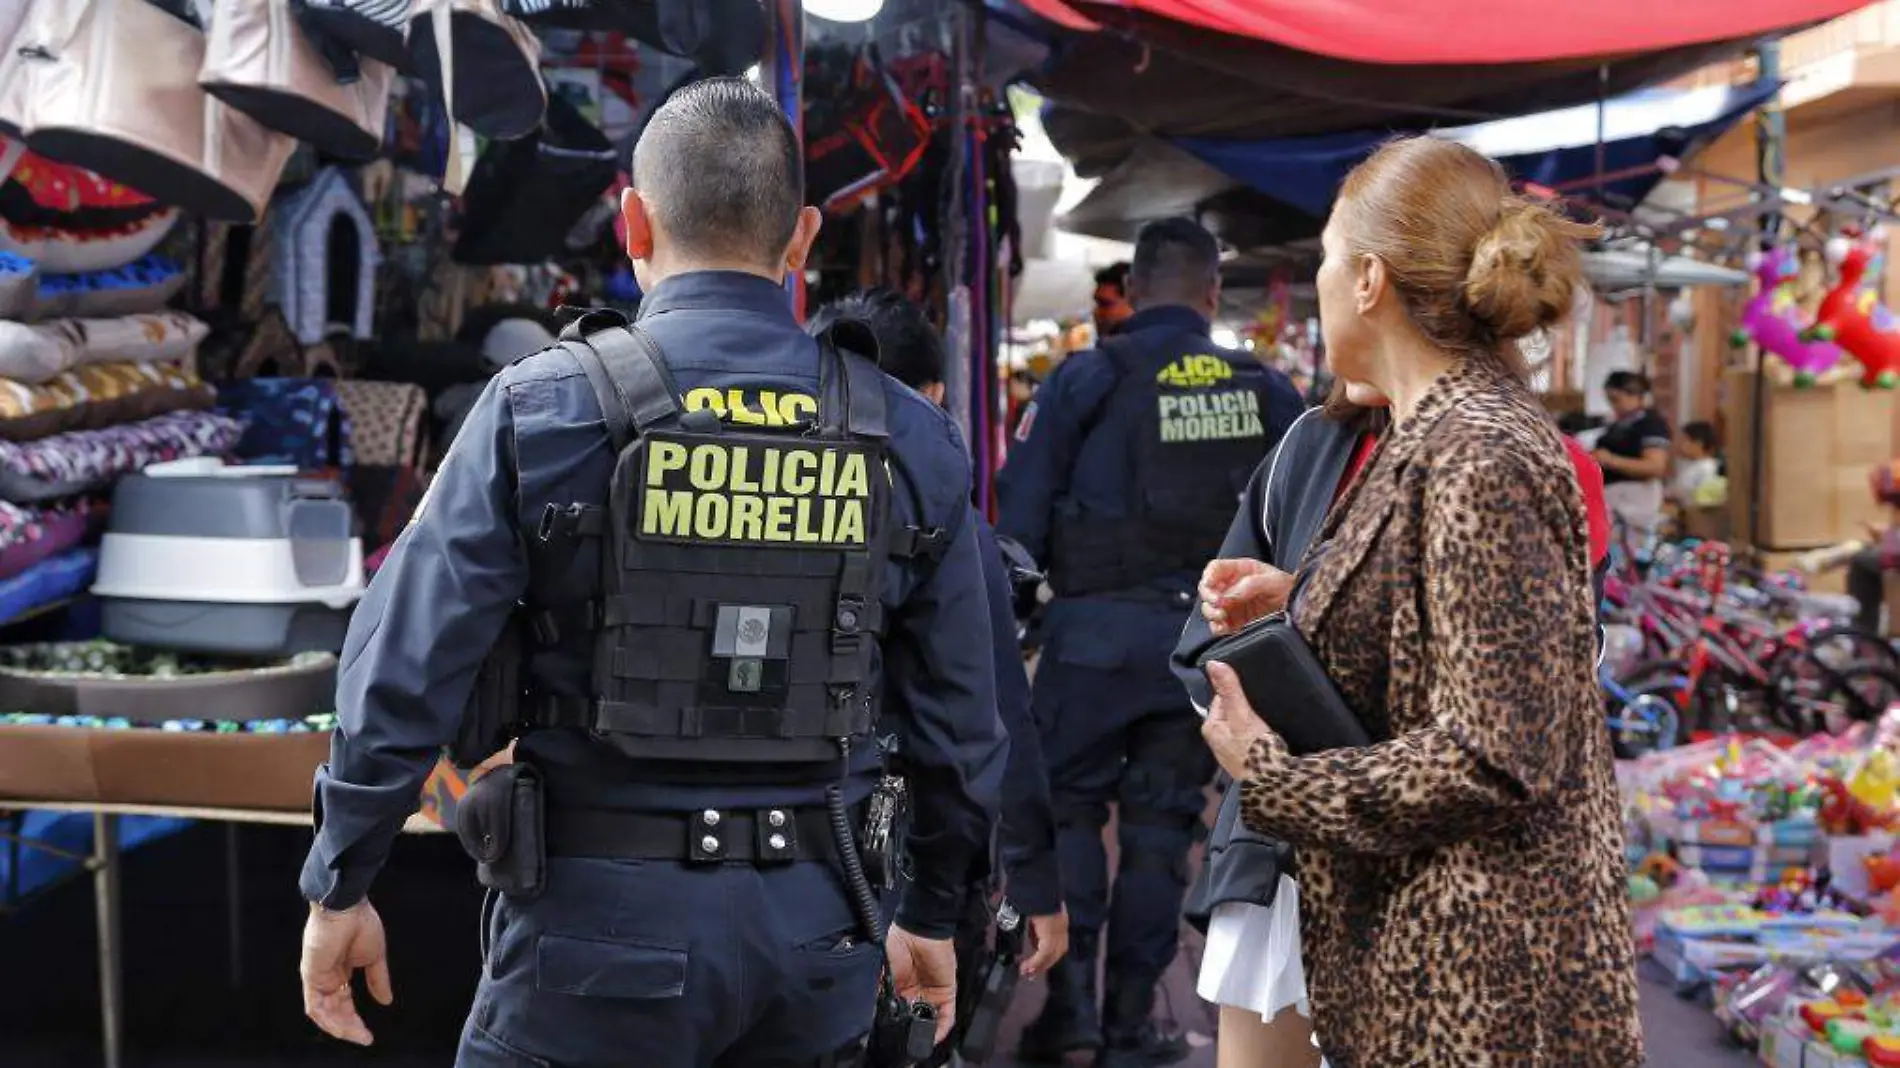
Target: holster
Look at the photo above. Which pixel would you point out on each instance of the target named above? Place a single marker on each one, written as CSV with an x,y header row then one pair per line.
x,y
502,824
493,713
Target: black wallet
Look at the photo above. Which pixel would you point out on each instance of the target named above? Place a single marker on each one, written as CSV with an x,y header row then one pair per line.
x,y
1288,686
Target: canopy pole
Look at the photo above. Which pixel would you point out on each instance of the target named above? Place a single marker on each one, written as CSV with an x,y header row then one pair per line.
x,y
1771,136
1603,119
783,71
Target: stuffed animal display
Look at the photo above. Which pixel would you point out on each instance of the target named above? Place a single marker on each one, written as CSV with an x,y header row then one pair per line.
x,y
1774,321
1852,316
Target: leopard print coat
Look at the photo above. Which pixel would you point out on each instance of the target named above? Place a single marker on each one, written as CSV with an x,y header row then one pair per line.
x,y
1462,884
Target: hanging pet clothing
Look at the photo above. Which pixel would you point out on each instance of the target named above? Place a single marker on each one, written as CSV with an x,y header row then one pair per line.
x,y
324,258
13,19
376,29
526,195
721,37
863,134
491,80
111,85
389,436
260,61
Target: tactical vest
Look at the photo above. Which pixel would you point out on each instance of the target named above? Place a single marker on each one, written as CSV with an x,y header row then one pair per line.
x,y
1194,432
741,569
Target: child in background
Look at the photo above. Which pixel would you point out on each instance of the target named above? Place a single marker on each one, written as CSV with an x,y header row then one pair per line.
x,y
1699,481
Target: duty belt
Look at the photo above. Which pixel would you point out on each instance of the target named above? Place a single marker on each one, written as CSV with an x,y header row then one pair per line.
x,y
712,836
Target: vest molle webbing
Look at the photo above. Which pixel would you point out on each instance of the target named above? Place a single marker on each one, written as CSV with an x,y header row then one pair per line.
x,y
742,569
1195,432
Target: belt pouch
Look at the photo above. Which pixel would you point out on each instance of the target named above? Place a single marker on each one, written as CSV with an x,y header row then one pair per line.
x,y
501,824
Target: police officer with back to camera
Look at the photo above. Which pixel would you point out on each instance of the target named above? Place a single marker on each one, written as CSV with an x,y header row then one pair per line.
x,y
717,543
1123,478
993,950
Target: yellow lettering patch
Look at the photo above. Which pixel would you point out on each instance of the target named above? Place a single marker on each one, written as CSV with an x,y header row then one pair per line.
x,y
748,407
1195,372
754,493
1221,416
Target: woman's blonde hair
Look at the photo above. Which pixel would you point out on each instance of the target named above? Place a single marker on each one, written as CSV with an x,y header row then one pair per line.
x,y
1475,266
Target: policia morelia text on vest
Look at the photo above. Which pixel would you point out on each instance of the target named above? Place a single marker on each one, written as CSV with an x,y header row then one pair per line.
x,y
741,570
1195,433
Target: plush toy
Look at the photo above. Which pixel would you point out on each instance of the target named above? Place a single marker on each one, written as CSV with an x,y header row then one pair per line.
x,y
1852,316
1772,320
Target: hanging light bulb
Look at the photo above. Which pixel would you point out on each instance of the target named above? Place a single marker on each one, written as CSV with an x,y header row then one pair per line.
x,y
843,10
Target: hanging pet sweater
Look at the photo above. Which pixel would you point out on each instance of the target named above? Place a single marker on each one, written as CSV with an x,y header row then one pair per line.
x,y
324,259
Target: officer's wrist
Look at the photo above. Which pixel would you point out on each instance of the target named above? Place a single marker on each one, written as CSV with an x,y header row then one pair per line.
x,y
325,914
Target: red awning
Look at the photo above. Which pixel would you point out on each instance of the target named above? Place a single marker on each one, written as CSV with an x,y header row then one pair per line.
x,y
1463,31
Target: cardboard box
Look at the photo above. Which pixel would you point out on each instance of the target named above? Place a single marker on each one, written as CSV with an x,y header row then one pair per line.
x,y
264,772
1817,447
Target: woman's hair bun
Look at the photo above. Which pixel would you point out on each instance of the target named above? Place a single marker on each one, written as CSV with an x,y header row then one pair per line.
x,y
1525,270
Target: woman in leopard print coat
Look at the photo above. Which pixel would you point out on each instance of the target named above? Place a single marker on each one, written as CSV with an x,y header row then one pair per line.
x,y
1462,882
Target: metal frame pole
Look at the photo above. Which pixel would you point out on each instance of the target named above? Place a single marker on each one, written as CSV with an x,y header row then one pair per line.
x,y
784,71
1771,138
105,889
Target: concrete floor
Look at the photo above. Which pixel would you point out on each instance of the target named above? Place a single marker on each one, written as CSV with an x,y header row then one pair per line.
x,y
186,1010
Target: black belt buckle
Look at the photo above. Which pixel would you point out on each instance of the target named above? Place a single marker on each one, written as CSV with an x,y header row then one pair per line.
x,y
706,837
775,831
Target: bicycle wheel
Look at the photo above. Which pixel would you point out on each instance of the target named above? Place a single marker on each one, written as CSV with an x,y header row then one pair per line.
x,y
1847,644
1817,696
1652,718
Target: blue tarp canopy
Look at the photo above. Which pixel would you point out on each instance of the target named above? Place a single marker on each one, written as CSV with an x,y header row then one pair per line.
x,y
1557,149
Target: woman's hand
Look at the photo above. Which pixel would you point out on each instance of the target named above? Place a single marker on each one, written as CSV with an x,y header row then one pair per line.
x,y
1234,593
1232,727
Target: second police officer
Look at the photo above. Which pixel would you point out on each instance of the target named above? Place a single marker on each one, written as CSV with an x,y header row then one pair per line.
x,y
1122,480
711,614
911,351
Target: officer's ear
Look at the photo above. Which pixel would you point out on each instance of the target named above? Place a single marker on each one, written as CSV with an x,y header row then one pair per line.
x,y
639,226
804,232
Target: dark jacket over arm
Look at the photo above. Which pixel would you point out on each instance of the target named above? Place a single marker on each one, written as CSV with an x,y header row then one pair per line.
x,y
1285,503
1028,836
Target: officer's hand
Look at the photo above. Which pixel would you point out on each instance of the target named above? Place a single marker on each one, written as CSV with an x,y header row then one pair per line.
x,y
1232,727
1048,942
925,968
1236,592
335,945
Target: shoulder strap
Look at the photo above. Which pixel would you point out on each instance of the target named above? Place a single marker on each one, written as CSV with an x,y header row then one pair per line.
x,y
628,373
850,386
1116,350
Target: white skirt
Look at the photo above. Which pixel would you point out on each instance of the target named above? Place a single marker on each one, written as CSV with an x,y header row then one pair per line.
x,y
1252,957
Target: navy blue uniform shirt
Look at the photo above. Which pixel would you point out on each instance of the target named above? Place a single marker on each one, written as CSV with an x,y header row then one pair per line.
x,y
537,437
1028,834
1054,458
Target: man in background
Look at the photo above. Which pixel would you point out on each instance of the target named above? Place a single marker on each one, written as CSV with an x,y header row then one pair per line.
x,y
1111,300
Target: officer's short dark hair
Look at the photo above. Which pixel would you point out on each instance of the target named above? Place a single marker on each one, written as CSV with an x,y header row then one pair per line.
x,y
1176,261
1115,274
909,347
720,169
1633,383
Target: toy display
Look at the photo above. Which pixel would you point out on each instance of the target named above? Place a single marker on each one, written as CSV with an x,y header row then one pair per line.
x,y
1852,316
1773,321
